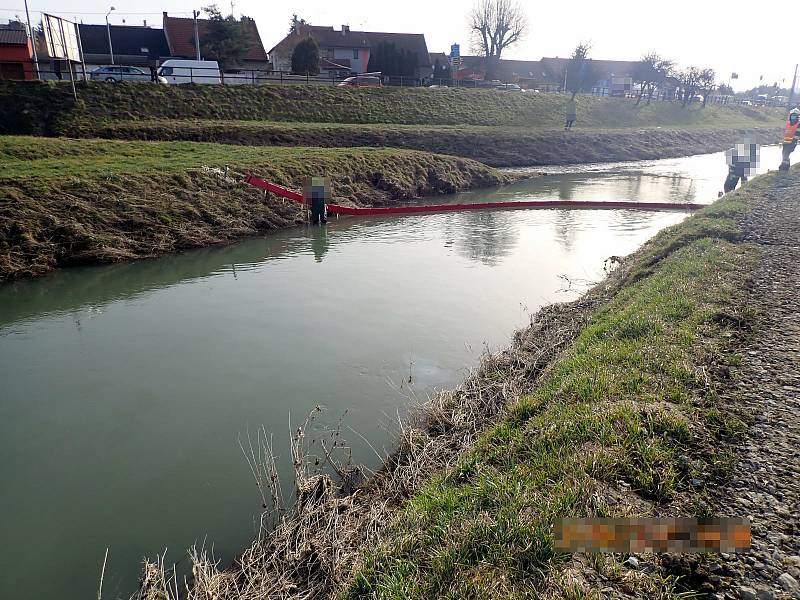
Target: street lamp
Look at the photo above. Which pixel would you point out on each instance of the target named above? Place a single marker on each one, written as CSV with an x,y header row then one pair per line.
x,y
108,30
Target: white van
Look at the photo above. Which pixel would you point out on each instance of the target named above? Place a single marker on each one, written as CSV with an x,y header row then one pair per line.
x,y
190,71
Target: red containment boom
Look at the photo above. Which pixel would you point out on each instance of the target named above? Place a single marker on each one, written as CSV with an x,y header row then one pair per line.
x,y
432,208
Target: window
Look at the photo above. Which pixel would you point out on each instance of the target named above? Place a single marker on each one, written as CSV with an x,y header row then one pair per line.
x,y
355,53
165,71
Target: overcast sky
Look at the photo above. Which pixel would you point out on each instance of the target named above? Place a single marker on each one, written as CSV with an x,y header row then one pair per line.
x,y
748,38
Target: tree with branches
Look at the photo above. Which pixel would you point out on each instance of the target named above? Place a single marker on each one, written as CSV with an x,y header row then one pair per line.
x,y
579,73
296,23
651,72
226,40
707,83
494,26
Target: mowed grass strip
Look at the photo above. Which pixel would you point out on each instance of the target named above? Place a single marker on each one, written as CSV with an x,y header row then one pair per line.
x,y
35,158
623,408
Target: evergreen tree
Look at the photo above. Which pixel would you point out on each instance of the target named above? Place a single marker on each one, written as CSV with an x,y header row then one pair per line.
x,y
226,40
305,57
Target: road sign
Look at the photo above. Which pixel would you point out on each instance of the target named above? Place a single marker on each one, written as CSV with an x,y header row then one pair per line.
x,y
61,38
455,51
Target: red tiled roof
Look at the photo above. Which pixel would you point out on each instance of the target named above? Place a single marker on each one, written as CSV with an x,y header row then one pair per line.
x,y
180,37
327,37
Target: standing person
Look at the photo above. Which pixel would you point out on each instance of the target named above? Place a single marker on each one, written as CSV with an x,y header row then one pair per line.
x,y
317,191
790,136
153,74
571,113
742,162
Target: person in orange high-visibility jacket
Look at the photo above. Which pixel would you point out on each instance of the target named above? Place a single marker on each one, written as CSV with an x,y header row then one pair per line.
x,y
790,136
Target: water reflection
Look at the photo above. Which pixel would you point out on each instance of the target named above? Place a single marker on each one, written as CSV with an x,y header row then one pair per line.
x,y
485,236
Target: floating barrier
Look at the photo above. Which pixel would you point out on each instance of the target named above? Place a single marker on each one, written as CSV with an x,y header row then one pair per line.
x,y
336,209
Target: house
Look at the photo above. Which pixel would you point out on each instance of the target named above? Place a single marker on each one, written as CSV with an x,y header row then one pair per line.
x,y
16,52
609,77
527,73
179,33
346,52
138,46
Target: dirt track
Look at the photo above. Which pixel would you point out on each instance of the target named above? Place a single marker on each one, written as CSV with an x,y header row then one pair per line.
x,y
765,390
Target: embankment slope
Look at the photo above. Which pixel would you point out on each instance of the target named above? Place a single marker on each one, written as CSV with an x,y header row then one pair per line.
x,y
497,128
66,202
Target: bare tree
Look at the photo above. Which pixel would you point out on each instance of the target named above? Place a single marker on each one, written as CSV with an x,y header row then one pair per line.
x,y
495,25
689,80
707,83
651,72
579,72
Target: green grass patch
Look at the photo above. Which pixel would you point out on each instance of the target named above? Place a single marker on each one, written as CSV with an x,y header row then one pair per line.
x,y
615,409
46,107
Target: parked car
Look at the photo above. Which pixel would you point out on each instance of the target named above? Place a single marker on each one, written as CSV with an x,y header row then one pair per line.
x,y
747,103
361,81
509,87
436,87
115,73
177,71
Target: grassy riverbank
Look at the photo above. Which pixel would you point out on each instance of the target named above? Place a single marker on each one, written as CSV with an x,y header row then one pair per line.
x,y
50,109
607,406
66,202
495,146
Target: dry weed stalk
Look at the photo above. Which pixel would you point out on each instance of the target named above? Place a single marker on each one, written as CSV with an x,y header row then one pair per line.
x,y
310,551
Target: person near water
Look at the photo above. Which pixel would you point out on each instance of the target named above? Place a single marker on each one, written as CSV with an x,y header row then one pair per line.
x,y
790,135
571,113
317,192
742,162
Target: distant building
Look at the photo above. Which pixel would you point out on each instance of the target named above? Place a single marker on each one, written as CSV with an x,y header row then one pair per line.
x,y
138,46
179,33
345,52
610,77
16,52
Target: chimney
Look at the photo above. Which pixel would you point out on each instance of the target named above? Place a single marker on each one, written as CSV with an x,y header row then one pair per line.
x,y
345,29
144,22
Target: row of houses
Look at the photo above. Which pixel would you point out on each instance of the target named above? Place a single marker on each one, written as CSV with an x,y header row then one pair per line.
x,y
132,45
343,52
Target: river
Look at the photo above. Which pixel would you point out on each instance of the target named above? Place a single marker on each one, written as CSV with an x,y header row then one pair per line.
x,y
125,387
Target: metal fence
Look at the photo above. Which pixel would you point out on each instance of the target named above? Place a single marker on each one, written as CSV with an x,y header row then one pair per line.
x,y
179,75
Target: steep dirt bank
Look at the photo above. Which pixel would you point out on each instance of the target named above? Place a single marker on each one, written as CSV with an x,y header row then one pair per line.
x,y
498,147
83,202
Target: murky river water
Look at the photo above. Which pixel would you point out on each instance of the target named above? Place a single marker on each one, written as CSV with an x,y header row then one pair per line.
x,y
124,387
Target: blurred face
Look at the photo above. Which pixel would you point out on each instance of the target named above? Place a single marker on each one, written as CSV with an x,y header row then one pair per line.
x,y
792,119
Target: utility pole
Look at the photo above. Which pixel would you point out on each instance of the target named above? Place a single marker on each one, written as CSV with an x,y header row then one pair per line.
x,y
32,35
791,91
108,30
196,36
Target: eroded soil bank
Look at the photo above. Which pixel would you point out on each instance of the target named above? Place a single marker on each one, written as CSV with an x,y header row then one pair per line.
x,y
71,202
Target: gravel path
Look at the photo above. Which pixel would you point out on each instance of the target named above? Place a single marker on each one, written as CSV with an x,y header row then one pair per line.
x,y
766,483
